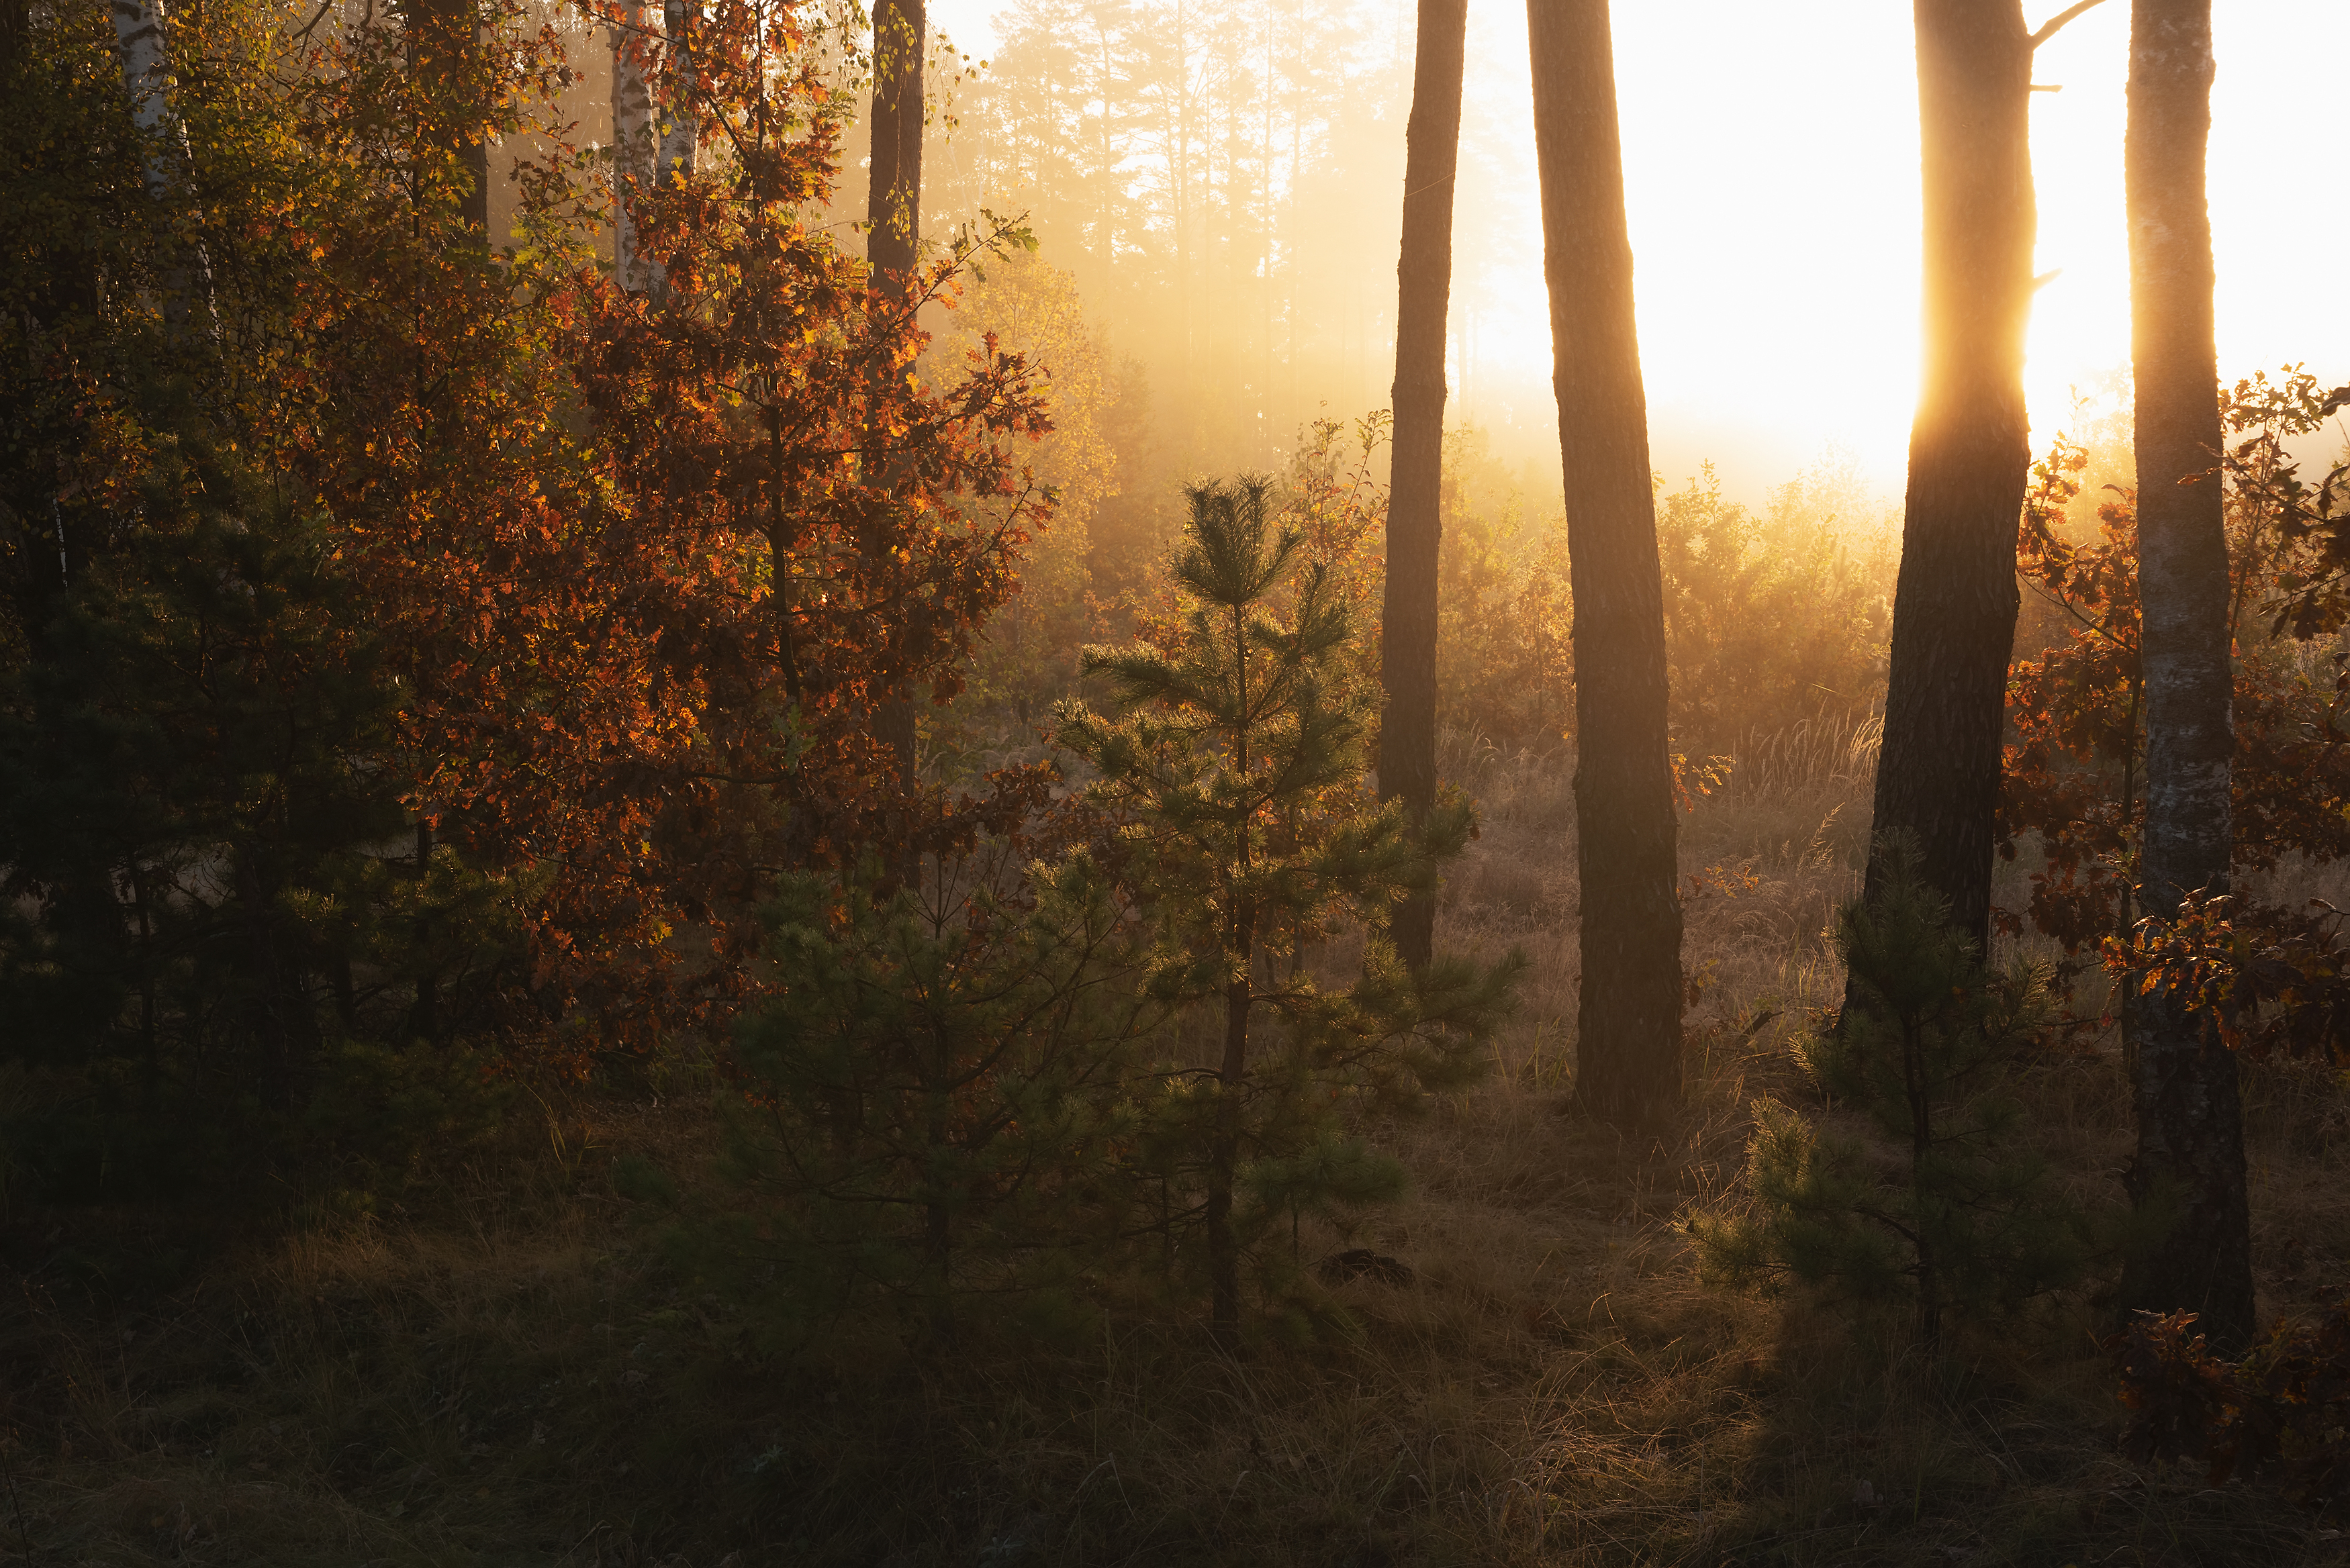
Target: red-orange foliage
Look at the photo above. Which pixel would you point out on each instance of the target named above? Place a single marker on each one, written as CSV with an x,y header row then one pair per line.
x,y
2284,1411
760,414
640,562
2072,775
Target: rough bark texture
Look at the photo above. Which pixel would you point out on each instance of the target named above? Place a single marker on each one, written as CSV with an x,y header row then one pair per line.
x,y
893,243
2190,1147
1970,455
1629,1014
1423,295
632,145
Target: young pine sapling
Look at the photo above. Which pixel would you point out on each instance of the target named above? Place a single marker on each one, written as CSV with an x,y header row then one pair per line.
x,y
1238,756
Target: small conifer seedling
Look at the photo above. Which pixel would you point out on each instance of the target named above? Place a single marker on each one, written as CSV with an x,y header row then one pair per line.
x,y
1238,758
1947,1206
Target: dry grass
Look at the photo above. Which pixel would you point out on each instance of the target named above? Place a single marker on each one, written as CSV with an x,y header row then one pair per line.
x,y
515,1377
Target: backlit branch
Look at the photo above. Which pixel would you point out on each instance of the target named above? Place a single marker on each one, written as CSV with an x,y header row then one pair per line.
x,y
2049,28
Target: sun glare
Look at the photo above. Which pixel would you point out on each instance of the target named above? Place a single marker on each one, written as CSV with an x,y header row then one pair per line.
x,y
1771,171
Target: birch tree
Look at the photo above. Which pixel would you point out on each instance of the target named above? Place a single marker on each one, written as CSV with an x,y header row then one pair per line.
x,y
2190,1139
142,40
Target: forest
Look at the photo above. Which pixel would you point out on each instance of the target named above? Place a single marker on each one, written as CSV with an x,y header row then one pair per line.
x,y
774,793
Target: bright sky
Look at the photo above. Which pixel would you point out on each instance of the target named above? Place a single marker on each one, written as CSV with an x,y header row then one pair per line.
x,y
1771,168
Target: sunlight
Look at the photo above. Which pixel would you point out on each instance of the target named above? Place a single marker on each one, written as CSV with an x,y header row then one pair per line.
x,y
1771,176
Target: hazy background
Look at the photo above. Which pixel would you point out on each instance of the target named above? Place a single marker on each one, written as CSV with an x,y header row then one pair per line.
x,y
1229,211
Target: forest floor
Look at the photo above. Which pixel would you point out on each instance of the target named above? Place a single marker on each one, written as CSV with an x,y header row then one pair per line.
x,y
512,1374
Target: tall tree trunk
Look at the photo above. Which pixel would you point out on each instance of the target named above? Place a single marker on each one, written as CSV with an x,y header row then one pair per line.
x,y
142,41
1415,522
445,40
1969,454
1628,1018
893,241
632,145
2190,1141
679,153
1224,1155
1231,1076
16,37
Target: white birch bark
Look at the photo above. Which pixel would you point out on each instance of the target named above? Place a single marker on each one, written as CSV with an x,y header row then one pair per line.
x,y
146,75
140,38
632,144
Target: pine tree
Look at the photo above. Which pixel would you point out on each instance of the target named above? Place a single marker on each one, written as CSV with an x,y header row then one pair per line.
x,y
1239,757
928,1101
1951,1210
1628,1008
1415,516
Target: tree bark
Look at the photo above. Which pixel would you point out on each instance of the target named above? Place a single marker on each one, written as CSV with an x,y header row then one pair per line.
x,y
16,33
679,153
1224,1156
632,146
893,241
1970,455
2190,1147
141,40
1629,1017
1415,523
1231,1076
446,41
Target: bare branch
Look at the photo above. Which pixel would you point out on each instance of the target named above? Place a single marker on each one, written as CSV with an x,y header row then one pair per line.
x,y
2048,29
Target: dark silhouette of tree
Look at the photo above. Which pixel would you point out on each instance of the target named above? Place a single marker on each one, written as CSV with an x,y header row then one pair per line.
x,y
1415,524
632,140
444,39
894,239
2190,1136
1955,602
1628,1017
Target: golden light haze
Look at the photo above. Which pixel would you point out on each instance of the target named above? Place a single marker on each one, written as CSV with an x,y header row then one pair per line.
x,y
1772,171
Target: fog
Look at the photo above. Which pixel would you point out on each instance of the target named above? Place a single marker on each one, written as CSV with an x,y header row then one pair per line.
x,y
1222,178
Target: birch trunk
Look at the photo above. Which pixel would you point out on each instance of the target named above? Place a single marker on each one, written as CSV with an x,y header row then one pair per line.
x,y
632,145
2191,1147
1629,1017
140,39
1415,523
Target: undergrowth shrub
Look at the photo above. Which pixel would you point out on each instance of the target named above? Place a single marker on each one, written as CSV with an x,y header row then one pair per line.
x,y
928,1110
2282,1411
1772,618
1948,1205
